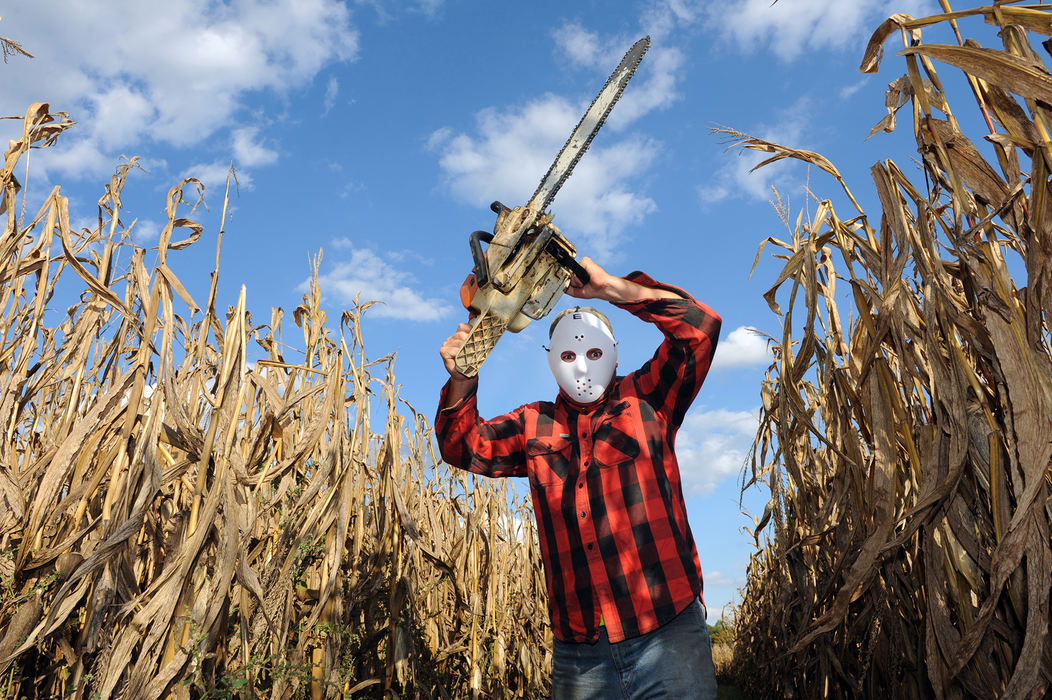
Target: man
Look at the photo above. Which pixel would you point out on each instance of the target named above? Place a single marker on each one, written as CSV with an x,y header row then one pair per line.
x,y
622,571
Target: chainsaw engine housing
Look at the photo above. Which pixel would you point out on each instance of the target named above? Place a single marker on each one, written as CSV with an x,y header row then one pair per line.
x,y
526,273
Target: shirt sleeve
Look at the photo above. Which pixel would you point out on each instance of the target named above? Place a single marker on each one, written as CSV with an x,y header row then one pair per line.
x,y
671,379
494,448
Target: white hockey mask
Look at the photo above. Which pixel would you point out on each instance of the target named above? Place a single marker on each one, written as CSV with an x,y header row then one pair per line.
x,y
582,356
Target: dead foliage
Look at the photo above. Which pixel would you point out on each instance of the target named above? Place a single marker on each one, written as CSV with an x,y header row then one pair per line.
x,y
186,512
907,547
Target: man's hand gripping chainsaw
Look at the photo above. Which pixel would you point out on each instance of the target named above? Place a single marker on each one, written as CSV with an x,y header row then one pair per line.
x,y
529,262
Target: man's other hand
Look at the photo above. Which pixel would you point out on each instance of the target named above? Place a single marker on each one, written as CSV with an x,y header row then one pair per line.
x,y
598,285
449,351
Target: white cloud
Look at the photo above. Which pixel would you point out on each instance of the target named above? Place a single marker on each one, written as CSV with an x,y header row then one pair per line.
x,y
146,232
213,176
848,91
332,88
119,111
76,156
249,150
792,27
712,446
718,578
661,18
736,178
429,7
743,347
583,47
387,11
366,274
512,151
176,74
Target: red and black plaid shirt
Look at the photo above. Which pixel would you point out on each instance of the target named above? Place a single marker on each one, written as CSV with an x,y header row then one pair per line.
x,y
605,482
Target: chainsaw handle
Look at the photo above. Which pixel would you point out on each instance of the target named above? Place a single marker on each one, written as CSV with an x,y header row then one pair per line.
x,y
477,254
580,272
567,261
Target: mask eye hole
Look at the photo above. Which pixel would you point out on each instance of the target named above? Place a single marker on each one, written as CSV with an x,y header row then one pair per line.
x,y
594,354
568,356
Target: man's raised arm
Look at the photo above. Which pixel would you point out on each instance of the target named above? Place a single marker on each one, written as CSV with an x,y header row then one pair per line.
x,y
616,290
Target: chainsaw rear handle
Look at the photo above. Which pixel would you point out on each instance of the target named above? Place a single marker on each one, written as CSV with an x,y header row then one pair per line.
x,y
477,254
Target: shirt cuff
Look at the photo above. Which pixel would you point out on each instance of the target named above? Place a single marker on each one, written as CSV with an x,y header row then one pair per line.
x,y
443,408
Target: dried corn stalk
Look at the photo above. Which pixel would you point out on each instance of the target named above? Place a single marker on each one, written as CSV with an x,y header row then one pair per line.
x,y
907,546
176,519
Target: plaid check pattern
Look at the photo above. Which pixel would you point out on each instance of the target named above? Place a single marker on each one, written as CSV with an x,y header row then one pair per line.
x,y
604,479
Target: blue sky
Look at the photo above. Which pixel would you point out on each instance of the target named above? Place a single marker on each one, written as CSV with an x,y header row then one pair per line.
x,y
379,132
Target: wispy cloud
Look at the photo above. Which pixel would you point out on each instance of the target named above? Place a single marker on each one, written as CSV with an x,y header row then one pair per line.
x,y
790,28
428,7
848,91
76,156
176,76
718,578
364,273
332,89
249,150
387,11
713,446
743,347
583,47
213,176
146,232
736,179
662,17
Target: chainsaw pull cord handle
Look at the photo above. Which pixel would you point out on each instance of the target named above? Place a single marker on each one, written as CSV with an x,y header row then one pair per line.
x,y
481,268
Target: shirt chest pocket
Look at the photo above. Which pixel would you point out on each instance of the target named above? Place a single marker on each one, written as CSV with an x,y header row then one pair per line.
x,y
549,458
613,446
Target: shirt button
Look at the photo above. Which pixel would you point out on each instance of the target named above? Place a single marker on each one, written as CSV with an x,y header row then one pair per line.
x,y
589,545
580,485
586,462
583,514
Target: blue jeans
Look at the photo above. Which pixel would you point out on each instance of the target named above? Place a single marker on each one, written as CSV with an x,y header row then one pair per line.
x,y
673,661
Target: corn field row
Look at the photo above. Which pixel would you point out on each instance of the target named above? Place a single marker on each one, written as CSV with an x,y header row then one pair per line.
x,y
184,512
906,428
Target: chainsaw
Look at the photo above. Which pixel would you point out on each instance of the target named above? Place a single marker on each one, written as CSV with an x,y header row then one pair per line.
x,y
528,263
